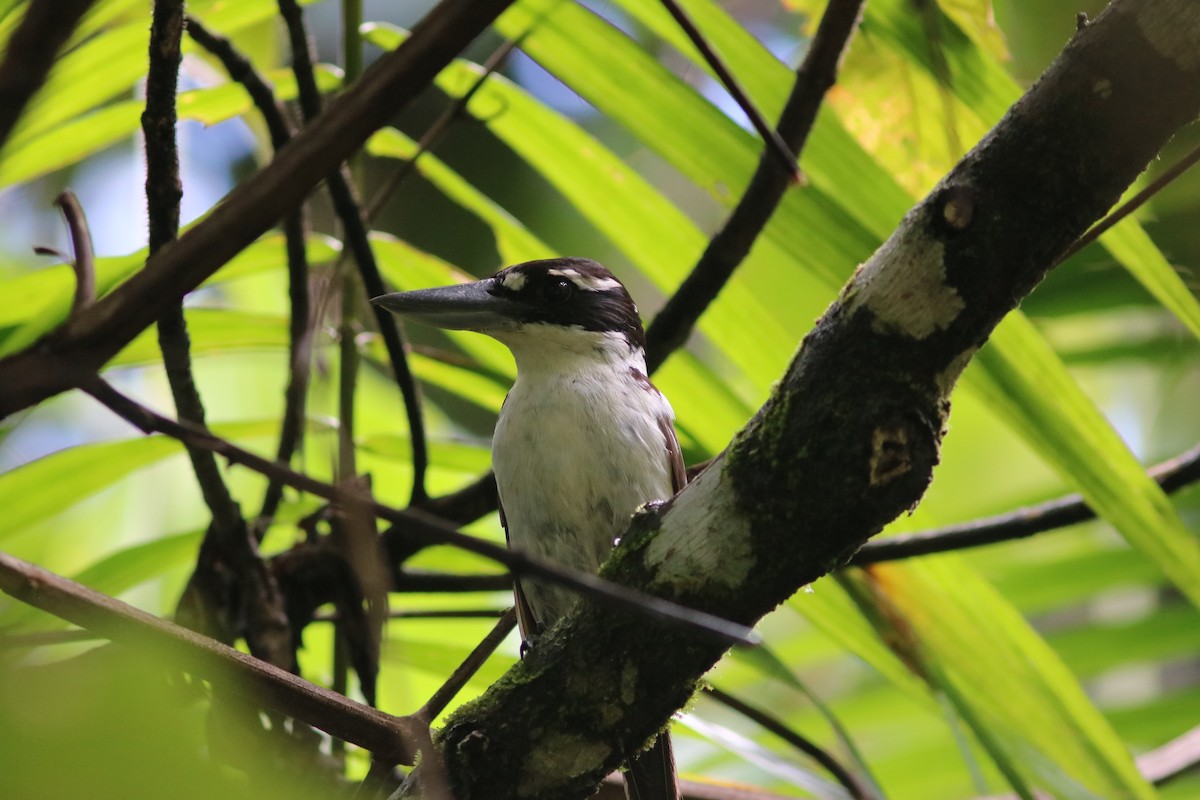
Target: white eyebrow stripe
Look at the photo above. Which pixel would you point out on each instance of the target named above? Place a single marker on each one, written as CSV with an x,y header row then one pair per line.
x,y
583,282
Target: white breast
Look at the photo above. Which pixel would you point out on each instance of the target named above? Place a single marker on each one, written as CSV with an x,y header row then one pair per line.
x,y
577,450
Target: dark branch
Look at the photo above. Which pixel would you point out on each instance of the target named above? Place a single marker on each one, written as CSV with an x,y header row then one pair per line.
x,y
30,53
1172,475
354,225
446,692
163,194
793,738
258,681
435,132
674,323
300,322
420,527
776,146
70,355
1134,203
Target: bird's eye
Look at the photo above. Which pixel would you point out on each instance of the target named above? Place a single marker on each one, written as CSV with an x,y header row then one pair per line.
x,y
556,291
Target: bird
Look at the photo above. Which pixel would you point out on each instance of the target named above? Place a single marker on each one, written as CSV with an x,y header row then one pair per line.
x,y
583,438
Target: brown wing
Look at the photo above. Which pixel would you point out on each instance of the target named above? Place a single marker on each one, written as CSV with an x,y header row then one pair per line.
x,y
525,620
674,455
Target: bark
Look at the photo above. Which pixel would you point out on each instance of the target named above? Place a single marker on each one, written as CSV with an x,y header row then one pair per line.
x,y
849,439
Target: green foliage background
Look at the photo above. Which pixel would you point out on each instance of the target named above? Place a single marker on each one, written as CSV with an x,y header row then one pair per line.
x,y
1035,663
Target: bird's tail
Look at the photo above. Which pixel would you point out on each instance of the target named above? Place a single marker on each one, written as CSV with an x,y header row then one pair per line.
x,y
651,773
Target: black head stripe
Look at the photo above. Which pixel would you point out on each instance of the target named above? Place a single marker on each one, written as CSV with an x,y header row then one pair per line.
x,y
571,292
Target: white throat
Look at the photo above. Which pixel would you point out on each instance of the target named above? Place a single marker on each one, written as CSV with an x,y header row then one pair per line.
x,y
579,446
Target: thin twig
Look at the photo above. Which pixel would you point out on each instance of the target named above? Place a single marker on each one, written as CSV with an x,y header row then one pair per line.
x,y
347,207
84,261
30,52
674,323
384,735
811,749
1172,475
1132,204
441,698
422,582
776,147
163,194
435,132
295,226
421,527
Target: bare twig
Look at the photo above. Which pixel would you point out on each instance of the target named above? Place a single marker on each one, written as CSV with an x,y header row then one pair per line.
x,y
393,738
1133,204
84,261
355,228
446,692
793,738
300,323
163,193
776,147
435,132
674,323
1172,475
420,527
71,355
30,53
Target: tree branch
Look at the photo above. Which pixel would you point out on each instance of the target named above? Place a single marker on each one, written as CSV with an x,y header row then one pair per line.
x,y
1172,475
71,354
295,225
354,226
419,526
30,54
261,683
674,323
856,422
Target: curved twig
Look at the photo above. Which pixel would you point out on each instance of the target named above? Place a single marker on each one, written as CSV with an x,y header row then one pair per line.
x,y
793,738
776,147
84,261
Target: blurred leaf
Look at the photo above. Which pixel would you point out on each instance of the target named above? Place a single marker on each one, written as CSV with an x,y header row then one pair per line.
x,y
39,301
942,616
71,142
1020,375
52,484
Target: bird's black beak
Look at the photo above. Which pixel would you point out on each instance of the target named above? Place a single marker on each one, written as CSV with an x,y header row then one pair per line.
x,y
466,307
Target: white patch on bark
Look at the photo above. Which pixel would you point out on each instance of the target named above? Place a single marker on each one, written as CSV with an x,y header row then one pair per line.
x,y
703,538
1170,30
904,287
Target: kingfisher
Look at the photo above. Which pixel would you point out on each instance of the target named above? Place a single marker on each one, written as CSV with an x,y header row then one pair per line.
x,y
583,438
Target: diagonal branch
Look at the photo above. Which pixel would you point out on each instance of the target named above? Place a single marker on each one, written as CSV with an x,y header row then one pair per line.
x,y
1172,475
260,682
420,527
30,53
848,439
73,353
674,323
